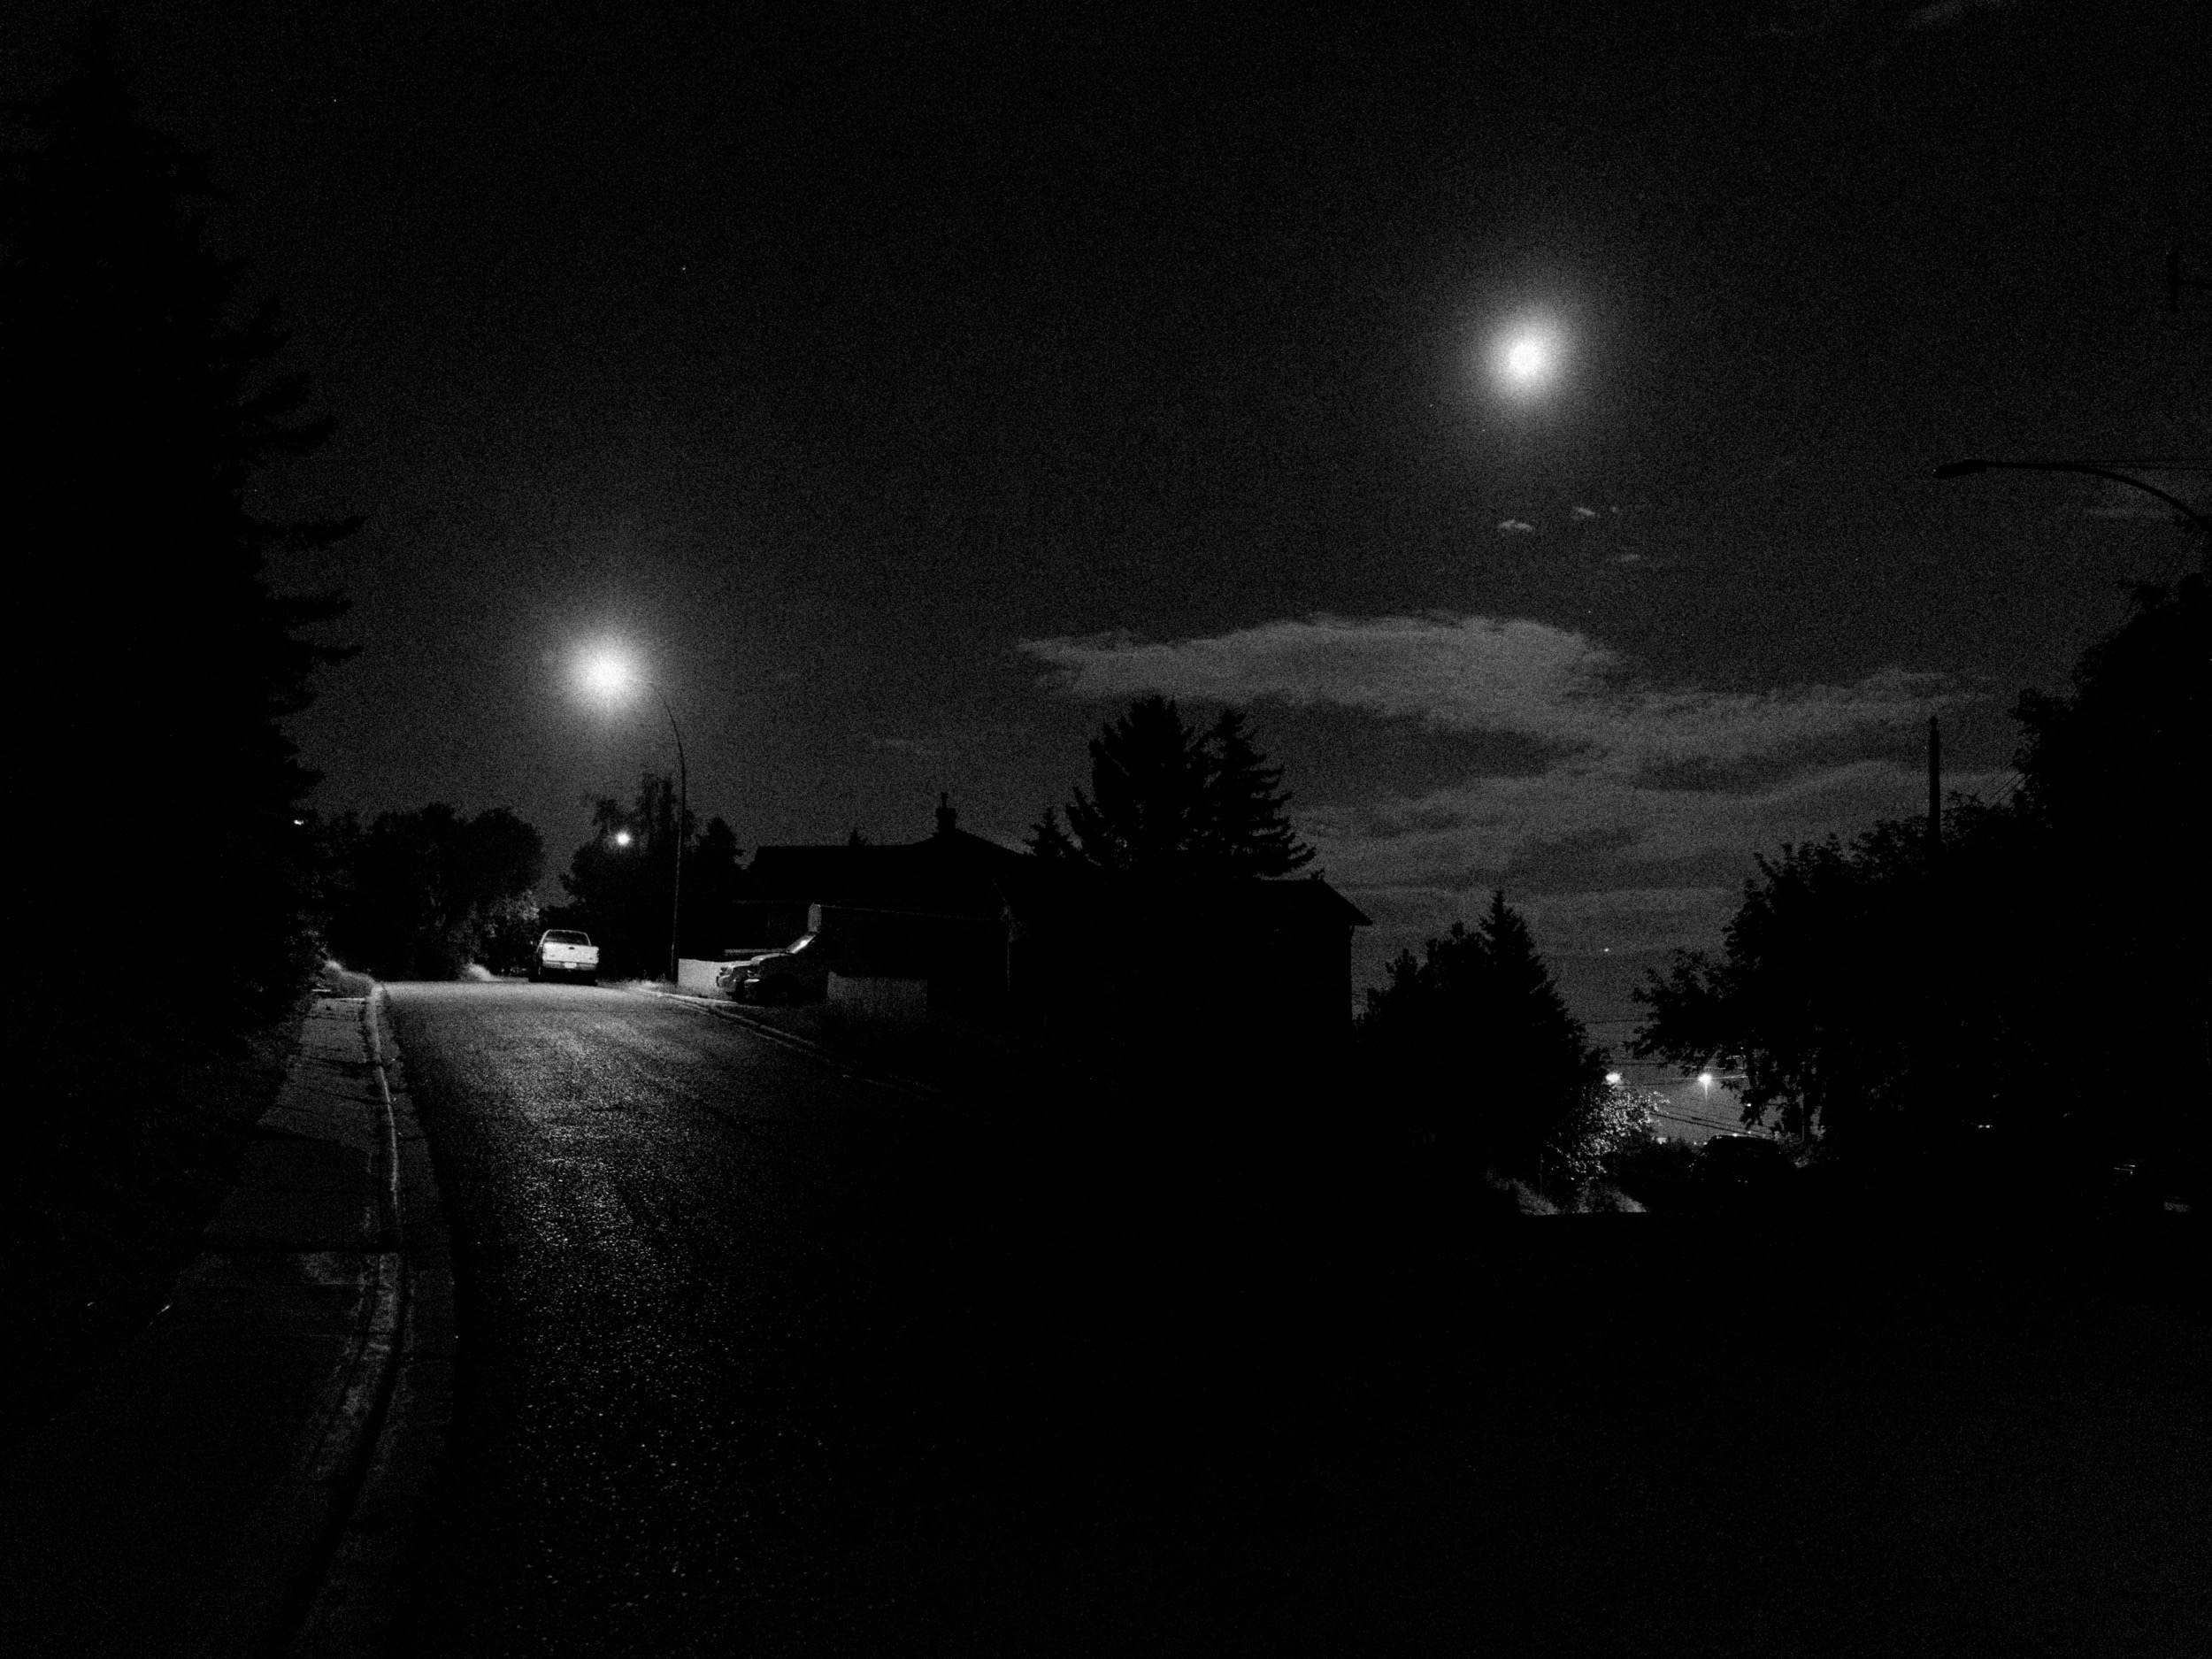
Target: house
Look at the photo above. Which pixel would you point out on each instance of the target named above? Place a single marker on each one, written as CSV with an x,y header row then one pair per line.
x,y
1068,951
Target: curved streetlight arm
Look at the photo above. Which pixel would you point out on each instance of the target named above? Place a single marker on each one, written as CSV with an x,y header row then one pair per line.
x,y
2197,520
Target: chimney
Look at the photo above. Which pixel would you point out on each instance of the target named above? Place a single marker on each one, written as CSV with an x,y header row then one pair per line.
x,y
946,816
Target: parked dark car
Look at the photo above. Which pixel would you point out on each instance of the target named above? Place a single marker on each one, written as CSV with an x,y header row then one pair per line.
x,y
797,973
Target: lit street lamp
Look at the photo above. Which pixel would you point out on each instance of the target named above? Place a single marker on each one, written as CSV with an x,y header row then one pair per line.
x,y
2197,520
610,675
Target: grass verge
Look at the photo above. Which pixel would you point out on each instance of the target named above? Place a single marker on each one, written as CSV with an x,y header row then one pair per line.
x,y
124,1127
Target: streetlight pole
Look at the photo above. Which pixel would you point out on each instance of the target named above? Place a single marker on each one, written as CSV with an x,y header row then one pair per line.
x,y
683,811
610,674
2197,520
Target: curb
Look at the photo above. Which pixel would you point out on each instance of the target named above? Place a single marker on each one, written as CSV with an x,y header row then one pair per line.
x,y
207,1492
351,1607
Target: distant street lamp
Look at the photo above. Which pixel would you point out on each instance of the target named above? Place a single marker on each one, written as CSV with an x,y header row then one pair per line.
x,y
610,675
2197,520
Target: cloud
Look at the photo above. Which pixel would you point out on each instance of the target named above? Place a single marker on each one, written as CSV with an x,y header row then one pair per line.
x,y
1633,833
1489,674
1945,13
945,744
1469,833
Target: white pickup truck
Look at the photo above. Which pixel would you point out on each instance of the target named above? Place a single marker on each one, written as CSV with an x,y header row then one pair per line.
x,y
563,952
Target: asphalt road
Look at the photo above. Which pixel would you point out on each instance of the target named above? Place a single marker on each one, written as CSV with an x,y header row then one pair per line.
x,y
755,1358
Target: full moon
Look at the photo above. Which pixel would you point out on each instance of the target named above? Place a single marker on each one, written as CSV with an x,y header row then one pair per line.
x,y
1526,359
606,674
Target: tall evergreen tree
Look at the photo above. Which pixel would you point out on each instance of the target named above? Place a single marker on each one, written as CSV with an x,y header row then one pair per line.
x,y
152,661
1475,1041
1244,829
1167,800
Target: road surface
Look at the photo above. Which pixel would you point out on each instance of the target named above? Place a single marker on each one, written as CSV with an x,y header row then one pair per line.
x,y
759,1358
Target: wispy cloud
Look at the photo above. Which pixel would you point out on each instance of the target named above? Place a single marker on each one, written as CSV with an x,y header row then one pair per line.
x,y
1607,817
1459,836
945,744
1489,674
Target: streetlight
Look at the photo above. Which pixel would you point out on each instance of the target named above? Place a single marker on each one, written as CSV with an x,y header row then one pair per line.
x,y
610,675
2197,520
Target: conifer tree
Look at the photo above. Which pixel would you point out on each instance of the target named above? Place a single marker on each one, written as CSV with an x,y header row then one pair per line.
x,y
1245,831
1475,1036
1167,800
152,663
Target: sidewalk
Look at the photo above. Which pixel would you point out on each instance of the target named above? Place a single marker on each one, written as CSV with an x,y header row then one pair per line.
x,y
241,1478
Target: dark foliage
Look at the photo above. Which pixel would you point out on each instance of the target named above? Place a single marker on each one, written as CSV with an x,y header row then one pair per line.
x,y
2037,993
423,894
1475,1045
621,892
1813,997
150,653
1167,800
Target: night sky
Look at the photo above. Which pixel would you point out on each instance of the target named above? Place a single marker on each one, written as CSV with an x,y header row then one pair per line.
x,y
911,389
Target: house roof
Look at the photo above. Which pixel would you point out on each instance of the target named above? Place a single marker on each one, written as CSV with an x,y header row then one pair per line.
x,y
957,874
954,873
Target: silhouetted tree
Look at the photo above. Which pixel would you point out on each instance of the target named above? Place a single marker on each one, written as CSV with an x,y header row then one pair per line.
x,y
1811,997
2110,838
1243,828
1475,1043
150,653
622,892
1166,800
423,894
2041,987
713,882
